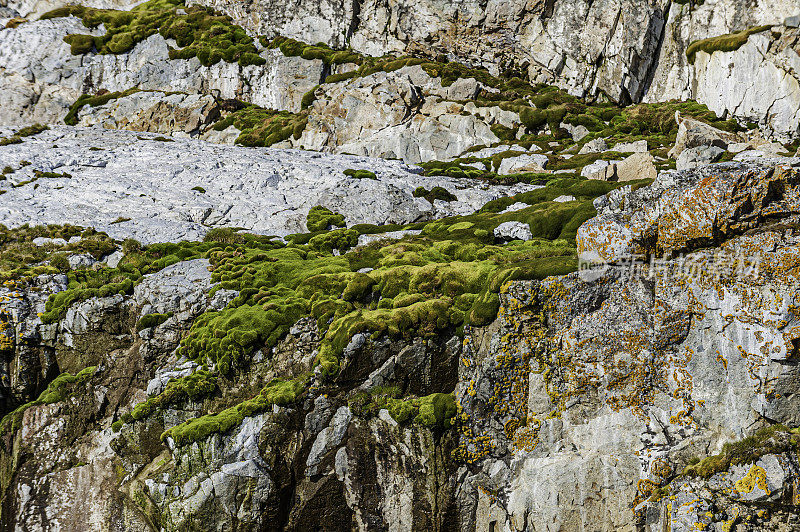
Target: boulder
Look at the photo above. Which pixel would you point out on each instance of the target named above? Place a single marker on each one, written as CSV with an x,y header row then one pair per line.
x,y
594,146
595,167
693,133
576,132
637,166
523,163
640,146
694,157
508,231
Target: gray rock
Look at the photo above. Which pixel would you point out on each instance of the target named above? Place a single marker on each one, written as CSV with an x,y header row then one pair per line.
x,y
564,199
36,51
594,146
640,146
328,439
513,231
80,260
523,163
267,191
694,157
595,167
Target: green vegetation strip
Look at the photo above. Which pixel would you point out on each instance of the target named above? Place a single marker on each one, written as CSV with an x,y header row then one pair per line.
x,y
434,410
723,43
446,277
773,439
278,392
17,137
199,32
21,259
263,127
59,389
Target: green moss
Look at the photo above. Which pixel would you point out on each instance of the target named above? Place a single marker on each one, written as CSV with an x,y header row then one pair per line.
x,y
28,131
309,98
436,193
94,101
360,174
773,439
320,219
280,392
199,384
434,411
263,127
723,43
58,390
199,32
21,259
151,320
85,284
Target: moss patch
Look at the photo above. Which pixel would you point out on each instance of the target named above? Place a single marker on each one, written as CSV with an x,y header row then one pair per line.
x,y
723,43
436,410
773,439
28,131
21,259
263,127
278,392
59,389
360,174
320,219
199,32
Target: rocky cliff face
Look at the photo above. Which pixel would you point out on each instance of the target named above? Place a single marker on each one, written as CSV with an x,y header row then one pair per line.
x,y
389,266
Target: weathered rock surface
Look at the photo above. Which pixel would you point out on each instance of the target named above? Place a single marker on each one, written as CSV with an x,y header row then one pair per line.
x,y
586,47
154,112
157,191
404,114
637,166
661,362
40,79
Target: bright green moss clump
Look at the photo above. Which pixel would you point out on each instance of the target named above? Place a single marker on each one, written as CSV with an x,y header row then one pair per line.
x,y
199,32
447,277
320,219
263,127
199,384
151,320
723,43
360,174
278,392
436,410
59,389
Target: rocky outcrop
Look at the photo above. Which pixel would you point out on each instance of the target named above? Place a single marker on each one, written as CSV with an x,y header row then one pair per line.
x,y
403,114
156,189
40,79
599,388
155,112
587,47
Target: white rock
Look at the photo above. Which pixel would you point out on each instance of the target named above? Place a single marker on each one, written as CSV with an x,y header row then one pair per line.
x,y
640,146
594,146
513,231
266,191
523,163
564,199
